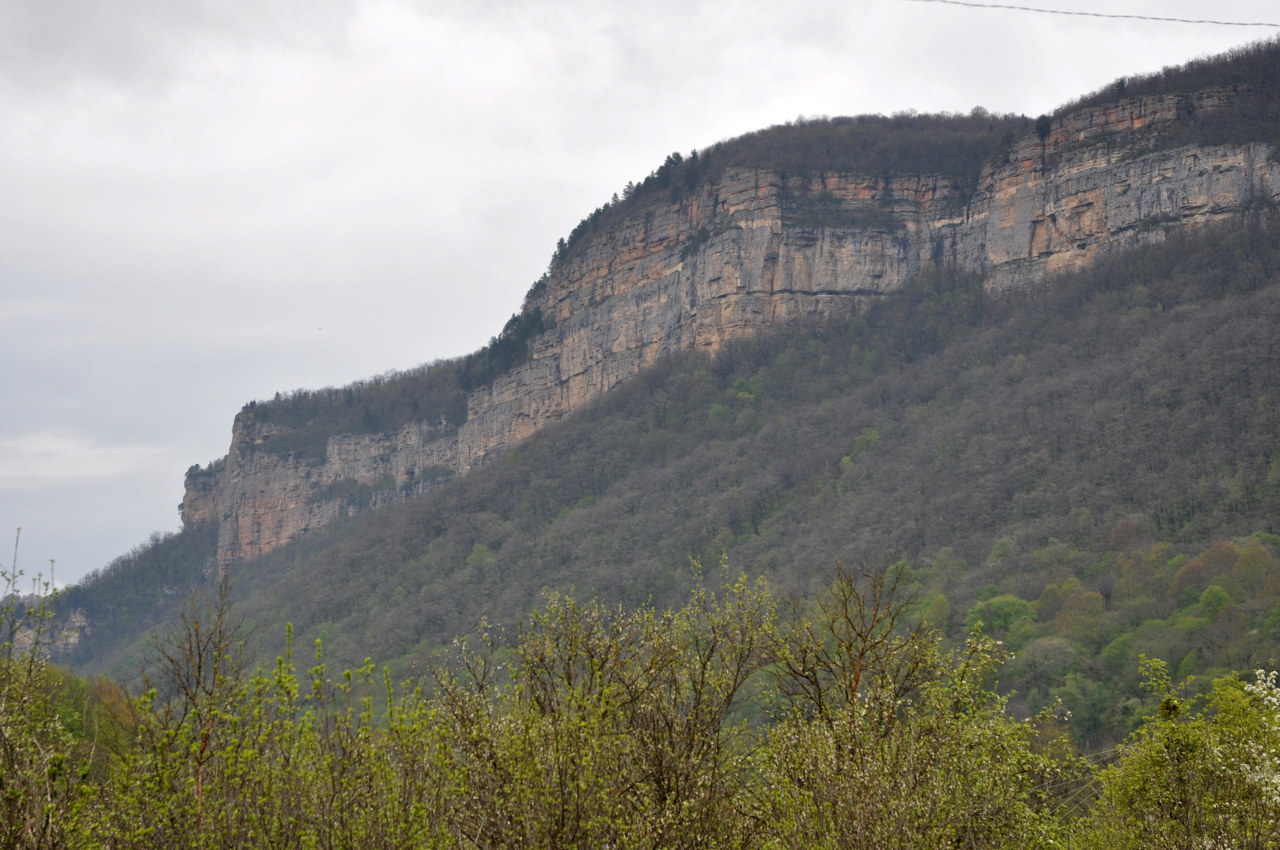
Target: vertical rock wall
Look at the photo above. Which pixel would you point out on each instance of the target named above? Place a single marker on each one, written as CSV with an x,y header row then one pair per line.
x,y
740,256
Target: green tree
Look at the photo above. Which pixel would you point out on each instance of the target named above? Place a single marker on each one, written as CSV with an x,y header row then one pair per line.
x,y
616,727
1199,772
999,614
888,741
40,776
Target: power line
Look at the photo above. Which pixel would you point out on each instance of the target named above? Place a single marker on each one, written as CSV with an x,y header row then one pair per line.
x,y
1099,14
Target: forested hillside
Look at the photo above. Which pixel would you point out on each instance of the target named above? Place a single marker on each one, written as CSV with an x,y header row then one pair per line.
x,y
1091,469
963,564
805,223
1088,467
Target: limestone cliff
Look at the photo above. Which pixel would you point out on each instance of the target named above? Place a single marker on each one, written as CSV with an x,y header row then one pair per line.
x,y
745,252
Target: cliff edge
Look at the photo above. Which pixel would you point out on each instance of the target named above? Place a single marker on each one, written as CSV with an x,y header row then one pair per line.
x,y
737,254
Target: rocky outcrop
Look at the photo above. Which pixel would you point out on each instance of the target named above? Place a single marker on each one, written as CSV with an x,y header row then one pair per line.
x,y
750,251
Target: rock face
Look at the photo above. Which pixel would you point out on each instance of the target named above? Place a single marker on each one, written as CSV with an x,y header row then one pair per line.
x,y
746,253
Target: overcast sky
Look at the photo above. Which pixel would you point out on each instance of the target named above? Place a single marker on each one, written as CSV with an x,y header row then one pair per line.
x,y
202,203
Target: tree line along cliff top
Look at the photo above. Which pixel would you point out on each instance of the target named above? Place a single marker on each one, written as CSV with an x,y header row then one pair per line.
x,y
954,146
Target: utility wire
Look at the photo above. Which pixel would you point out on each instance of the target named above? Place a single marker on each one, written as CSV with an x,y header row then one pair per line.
x,y
975,5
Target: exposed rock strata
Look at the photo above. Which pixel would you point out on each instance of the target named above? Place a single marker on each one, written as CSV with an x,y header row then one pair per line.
x,y
735,258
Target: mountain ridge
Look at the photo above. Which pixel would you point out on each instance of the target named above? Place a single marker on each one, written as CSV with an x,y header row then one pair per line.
x,y
1088,465
750,251
1098,451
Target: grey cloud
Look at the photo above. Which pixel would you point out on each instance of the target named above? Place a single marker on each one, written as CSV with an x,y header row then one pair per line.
x,y
50,44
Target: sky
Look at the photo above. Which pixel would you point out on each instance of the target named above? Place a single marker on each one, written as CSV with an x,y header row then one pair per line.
x,y
205,202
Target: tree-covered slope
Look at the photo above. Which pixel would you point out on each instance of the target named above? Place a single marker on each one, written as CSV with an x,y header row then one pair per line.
x,y
1032,448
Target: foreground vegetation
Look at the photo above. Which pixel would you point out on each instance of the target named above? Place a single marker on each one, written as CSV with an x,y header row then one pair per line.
x,y
732,720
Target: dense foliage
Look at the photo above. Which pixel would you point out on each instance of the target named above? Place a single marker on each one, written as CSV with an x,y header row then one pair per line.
x,y
728,721
1200,772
